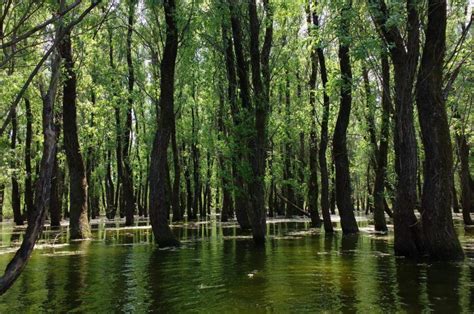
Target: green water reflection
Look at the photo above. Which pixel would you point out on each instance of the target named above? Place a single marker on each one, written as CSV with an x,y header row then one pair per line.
x,y
218,269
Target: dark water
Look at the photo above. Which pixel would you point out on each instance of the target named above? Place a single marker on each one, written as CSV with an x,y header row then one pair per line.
x,y
219,270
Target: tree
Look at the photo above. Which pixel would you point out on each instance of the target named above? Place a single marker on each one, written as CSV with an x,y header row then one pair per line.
x,y
159,154
79,224
440,237
343,182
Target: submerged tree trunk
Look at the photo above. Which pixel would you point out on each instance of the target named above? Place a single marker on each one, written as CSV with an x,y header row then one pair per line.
x,y
380,171
343,181
323,168
313,145
79,224
408,240
128,195
159,154
440,237
43,186
258,143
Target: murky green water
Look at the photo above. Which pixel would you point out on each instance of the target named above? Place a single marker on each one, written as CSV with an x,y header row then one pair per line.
x,y
219,270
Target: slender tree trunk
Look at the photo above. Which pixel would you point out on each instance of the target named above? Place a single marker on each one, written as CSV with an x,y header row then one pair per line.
x,y
79,224
288,173
325,204
343,182
313,145
380,172
15,192
127,179
29,200
55,205
159,154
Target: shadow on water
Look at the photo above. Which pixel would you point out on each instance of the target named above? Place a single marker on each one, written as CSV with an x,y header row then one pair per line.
x,y
218,269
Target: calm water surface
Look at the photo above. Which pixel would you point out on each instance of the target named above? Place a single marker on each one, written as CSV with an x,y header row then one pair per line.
x,y
219,270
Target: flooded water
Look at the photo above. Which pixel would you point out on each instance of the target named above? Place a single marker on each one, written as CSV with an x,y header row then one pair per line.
x,y
218,270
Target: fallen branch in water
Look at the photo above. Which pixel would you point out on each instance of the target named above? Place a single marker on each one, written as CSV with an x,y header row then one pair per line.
x,y
294,205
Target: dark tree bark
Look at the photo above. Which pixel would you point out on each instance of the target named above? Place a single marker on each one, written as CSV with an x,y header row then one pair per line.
x,y
128,196
381,165
79,224
15,193
323,168
404,55
440,237
28,175
258,156
159,154
175,202
343,182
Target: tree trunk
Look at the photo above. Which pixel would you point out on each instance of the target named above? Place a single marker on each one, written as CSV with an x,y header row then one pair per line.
x,y
79,224
380,172
240,195
15,193
343,182
57,181
408,240
175,203
313,145
440,237
127,179
29,200
323,168
159,154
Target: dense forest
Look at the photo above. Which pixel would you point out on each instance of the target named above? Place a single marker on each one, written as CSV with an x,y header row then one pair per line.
x,y
238,110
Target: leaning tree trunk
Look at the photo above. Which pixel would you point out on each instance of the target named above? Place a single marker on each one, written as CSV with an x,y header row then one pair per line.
x,y
43,186
159,154
343,181
440,237
79,224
